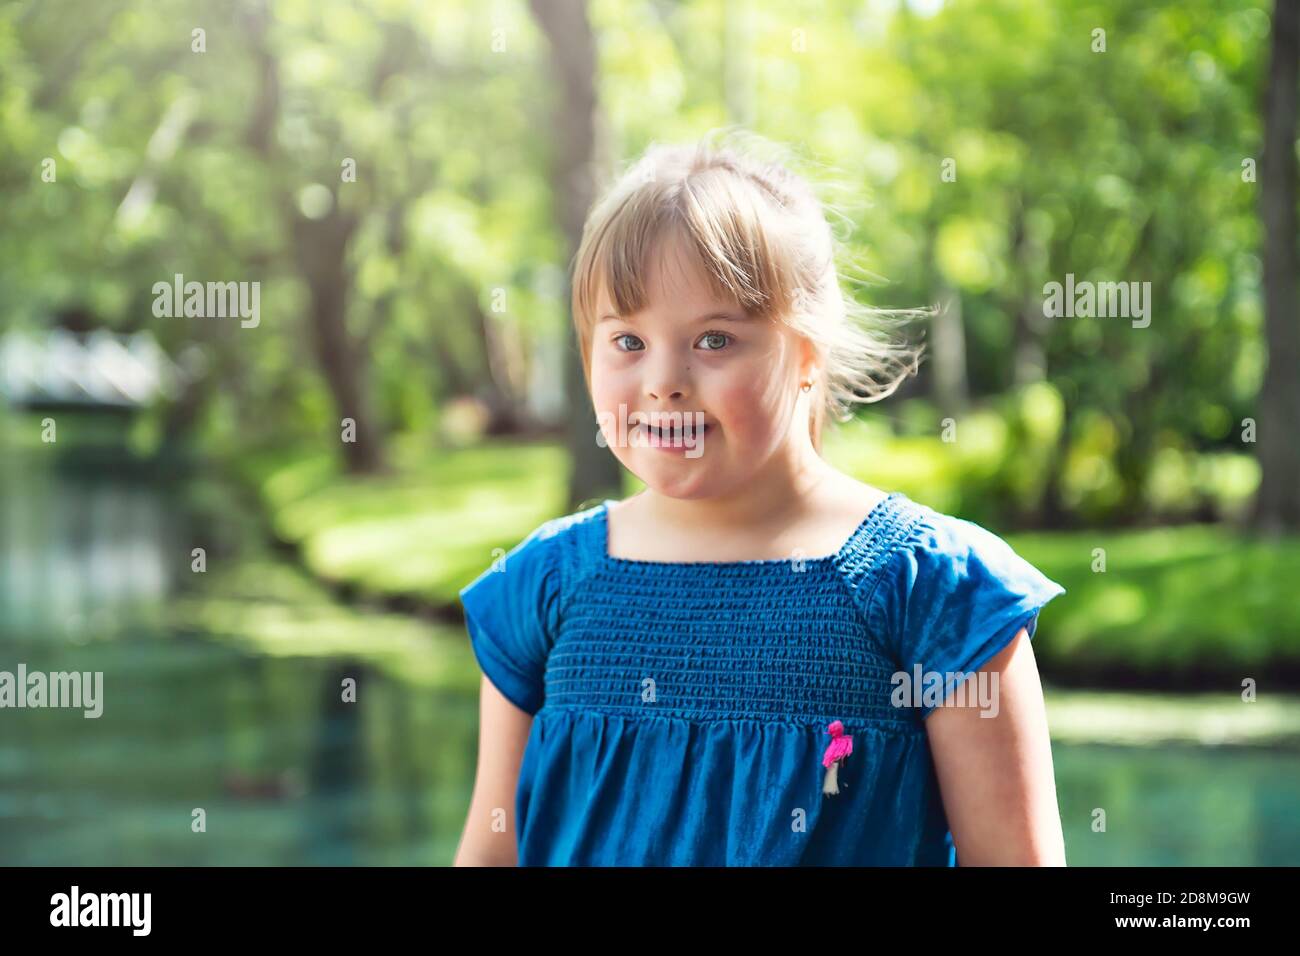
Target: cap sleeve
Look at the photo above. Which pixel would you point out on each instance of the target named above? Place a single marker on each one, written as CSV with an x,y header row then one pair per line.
x,y
953,595
511,614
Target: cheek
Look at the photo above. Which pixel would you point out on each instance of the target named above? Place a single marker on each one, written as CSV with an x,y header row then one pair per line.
x,y
611,388
752,407
610,384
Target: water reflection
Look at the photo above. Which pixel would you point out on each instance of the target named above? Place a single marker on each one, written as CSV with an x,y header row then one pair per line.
x,y
243,722
1179,805
77,554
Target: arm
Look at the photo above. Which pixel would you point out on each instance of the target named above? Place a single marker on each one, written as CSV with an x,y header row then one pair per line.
x,y
995,773
503,734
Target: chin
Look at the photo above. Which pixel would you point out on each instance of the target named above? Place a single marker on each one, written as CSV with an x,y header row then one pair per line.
x,y
685,484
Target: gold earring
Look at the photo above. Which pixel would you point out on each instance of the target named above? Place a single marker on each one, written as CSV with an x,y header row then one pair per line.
x,y
806,385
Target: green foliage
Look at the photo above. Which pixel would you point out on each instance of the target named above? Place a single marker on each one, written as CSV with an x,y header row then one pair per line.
x,y
1121,165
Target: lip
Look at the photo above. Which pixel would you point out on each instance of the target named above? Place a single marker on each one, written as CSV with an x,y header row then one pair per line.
x,y
652,439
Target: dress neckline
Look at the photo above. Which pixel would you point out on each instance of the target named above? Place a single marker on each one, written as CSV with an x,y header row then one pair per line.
x,y
875,517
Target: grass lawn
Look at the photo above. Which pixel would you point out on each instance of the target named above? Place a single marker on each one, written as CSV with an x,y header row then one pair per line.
x,y
422,532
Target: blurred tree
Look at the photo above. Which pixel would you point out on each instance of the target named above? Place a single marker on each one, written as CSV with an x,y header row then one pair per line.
x,y
1101,139
595,470
1277,506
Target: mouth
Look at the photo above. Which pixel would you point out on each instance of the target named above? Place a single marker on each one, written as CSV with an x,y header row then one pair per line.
x,y
674,437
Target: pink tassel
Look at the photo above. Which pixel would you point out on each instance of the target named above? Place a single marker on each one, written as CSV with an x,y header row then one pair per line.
x,y
838,750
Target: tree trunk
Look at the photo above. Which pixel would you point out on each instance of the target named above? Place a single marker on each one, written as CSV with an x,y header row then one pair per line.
x,y
1027,306
595,471
321,248
1277,506
500,388
946,380
948,355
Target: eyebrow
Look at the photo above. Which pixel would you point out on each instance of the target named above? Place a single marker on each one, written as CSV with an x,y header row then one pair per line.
x,y
706,317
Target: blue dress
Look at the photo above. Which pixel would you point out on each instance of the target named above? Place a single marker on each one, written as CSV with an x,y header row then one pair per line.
x,y
681,709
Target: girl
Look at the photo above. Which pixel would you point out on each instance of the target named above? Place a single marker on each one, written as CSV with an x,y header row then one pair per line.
x,y
757,660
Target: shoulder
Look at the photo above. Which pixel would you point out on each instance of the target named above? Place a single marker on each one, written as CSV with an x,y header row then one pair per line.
x,y
571,536
923,542
531,577
552,549
906,547
968,552
844,493
944,537
565,529
941,568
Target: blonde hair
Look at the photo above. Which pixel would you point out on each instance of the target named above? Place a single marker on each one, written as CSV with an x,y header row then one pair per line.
x,y
763,239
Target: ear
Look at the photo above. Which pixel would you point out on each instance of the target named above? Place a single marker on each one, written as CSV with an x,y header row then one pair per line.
x,y
809,359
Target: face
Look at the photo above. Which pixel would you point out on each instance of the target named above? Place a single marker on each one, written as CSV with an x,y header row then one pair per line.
x,y
691,353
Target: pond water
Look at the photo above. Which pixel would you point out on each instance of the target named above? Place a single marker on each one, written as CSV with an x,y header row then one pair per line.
x,y
222,697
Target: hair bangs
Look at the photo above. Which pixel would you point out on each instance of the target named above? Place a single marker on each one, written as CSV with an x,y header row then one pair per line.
x,y
715,221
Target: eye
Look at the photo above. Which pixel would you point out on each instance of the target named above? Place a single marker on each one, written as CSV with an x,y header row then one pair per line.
x,y
717,340
628,335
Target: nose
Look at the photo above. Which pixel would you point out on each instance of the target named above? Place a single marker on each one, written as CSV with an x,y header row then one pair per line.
x,y
668,383
672,394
